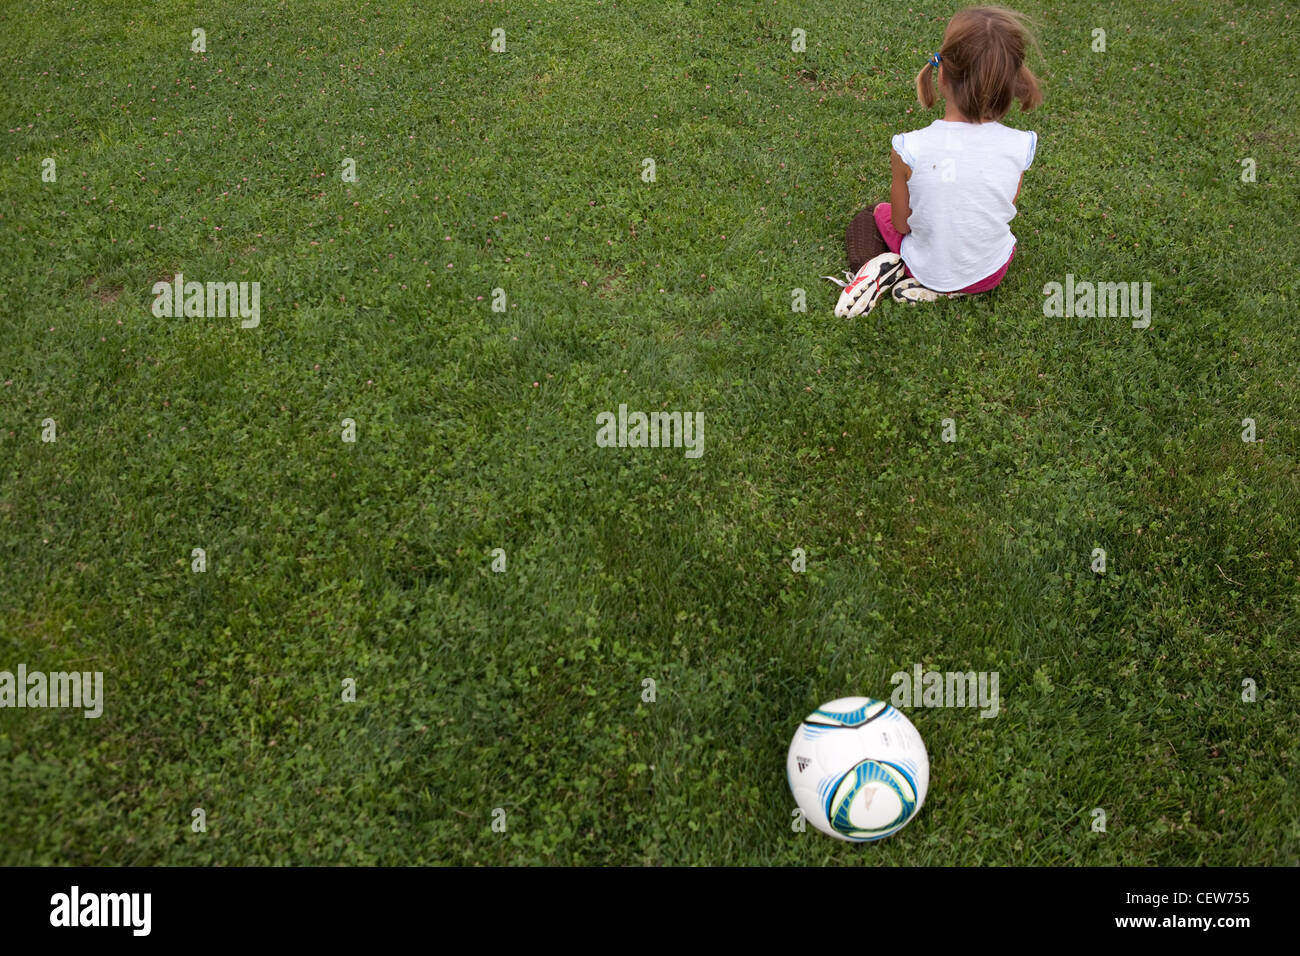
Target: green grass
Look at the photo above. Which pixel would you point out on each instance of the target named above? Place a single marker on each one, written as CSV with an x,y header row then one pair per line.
x,y
476,430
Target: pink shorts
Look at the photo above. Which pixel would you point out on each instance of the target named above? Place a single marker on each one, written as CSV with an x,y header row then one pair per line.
x,y
894,240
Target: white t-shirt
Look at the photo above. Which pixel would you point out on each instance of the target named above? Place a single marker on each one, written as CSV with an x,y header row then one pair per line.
x,y
964,178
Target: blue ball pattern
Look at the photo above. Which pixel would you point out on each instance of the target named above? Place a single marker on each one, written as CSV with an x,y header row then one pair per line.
x,y
871,771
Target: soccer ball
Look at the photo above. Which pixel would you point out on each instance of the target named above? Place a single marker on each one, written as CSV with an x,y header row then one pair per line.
x,y
858,769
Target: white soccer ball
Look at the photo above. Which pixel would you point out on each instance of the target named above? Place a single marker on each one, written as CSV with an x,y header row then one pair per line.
x,y
858,769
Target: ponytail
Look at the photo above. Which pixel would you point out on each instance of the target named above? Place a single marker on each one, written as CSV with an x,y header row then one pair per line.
x,y
1026,89
925,85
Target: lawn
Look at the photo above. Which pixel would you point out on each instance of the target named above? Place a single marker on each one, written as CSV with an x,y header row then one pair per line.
x,y
503,716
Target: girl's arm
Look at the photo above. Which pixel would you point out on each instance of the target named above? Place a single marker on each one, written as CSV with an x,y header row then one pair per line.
x,y
900,203
1018,185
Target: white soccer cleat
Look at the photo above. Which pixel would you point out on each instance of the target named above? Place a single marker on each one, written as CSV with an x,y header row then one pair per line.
x,y
911,291
873,280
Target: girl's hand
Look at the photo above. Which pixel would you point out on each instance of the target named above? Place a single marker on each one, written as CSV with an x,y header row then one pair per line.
x,y
900,202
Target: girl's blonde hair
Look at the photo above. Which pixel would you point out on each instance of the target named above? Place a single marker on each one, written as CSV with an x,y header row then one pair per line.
x,y
983,60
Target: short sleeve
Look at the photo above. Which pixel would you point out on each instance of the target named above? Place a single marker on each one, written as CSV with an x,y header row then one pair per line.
x,y
901,149
1033,148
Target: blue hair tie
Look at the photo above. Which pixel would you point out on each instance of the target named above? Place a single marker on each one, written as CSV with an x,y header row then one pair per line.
x,y
934,59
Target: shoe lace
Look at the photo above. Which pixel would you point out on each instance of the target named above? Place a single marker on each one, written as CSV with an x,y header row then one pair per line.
x,y
848,277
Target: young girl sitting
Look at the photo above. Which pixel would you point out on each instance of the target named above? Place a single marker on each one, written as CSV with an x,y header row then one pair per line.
x,y
946,232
